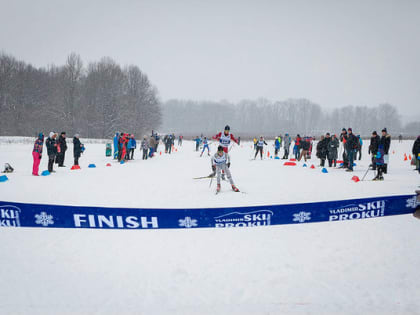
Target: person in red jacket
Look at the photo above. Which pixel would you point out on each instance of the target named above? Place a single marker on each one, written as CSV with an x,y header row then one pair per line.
x,y
225,138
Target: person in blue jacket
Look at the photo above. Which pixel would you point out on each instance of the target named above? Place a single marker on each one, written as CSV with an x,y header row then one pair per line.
x,y
380,163
131,145
117,136
197,143
359,148
277,145
205,146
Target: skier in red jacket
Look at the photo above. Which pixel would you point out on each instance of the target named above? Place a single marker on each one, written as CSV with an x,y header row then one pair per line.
x,y
225,138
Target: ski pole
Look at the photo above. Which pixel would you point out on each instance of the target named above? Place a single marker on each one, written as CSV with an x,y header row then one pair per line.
x,y
366,173
211,181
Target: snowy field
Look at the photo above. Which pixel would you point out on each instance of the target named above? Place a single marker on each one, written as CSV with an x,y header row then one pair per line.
x,y
353,267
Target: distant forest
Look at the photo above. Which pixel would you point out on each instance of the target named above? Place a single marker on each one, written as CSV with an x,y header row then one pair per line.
x,y
103,97
94,101
295,116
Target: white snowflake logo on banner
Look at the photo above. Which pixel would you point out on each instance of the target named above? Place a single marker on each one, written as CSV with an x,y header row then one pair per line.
x,y
412,202
302,217
44,219
188,222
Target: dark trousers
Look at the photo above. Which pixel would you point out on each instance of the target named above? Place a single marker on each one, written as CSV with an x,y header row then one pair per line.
x,y
50,162
360,154
259,149
350,159
286,153
331,161
144,154
60,158
322,162
76,160
131,154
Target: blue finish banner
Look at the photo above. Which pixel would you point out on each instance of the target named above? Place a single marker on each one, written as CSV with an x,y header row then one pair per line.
x,y
54,216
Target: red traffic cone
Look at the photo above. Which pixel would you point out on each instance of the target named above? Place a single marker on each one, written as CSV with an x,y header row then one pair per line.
x,y
312,166
355,179
108,164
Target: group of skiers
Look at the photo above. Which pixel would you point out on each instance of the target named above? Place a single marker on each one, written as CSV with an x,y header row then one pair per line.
x,y
124,146
56,151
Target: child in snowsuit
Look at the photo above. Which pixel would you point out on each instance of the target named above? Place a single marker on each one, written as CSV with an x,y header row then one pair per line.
x,y
37,153
132,144
380,163
221,162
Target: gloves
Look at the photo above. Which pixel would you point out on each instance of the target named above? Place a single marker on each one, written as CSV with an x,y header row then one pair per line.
x,y
213,167
228,164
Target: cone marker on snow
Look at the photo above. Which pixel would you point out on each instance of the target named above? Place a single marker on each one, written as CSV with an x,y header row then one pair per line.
x,y
3,178
75,167
312,166
355,179
108,164
324,170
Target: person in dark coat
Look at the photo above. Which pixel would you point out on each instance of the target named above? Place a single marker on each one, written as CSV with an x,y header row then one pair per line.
x,y
343,139
332,149
351,147
61,149
77,149
51,150
416,152
321,149
373,147
386,142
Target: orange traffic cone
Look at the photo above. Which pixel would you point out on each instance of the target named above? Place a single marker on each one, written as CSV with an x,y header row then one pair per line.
x,y
405,158
268,154
409,157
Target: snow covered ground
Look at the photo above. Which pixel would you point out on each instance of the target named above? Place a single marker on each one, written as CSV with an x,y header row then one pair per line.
x,y
353,267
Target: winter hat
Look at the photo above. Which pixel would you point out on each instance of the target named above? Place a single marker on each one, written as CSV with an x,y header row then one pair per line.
x,y
350,129
52,134
76,135
375,133
219,148
63,132
384,130
41,135
344,129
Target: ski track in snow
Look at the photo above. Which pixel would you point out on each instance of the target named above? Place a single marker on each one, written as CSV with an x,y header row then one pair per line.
x,y
353,267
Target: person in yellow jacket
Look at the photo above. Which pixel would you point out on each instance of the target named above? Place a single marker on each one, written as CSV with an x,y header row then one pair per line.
x,y
255,143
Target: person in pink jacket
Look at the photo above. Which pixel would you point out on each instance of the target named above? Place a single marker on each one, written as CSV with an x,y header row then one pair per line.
x,y
37,153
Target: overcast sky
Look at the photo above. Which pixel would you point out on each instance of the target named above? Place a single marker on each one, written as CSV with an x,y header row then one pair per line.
x,y
334,53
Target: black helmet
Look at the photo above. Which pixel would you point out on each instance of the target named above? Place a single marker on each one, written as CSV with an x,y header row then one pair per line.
x,y
227,127
219,148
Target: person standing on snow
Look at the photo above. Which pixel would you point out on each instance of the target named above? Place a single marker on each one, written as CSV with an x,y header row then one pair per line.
x,y
260,147
351,147
416,152
359,148
321,149
225,138
220,162
379,161
131,146
51,150
386,142
277,145
343,139
61,149
373,147
332,151
116,145
145,147
296,148
306,145
77,149
205,146
286,145
37,153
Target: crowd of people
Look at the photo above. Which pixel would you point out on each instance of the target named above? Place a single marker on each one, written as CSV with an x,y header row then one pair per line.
x,y
56,151
327,148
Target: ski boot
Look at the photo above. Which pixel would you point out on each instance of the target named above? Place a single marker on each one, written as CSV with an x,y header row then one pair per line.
x,y
235,189
218,188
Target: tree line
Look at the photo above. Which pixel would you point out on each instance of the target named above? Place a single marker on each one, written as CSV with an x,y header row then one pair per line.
x,y
295,116
94,101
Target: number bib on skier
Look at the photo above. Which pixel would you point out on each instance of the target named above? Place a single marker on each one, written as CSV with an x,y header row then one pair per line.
x,y
225,140
260,143
219,160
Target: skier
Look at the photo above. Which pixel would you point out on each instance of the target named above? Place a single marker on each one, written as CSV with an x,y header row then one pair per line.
x,y
77,149
180,140
205,146
51,150
221,162
37,153
116,145
225,138
144,147
61,149
286,144
260,146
